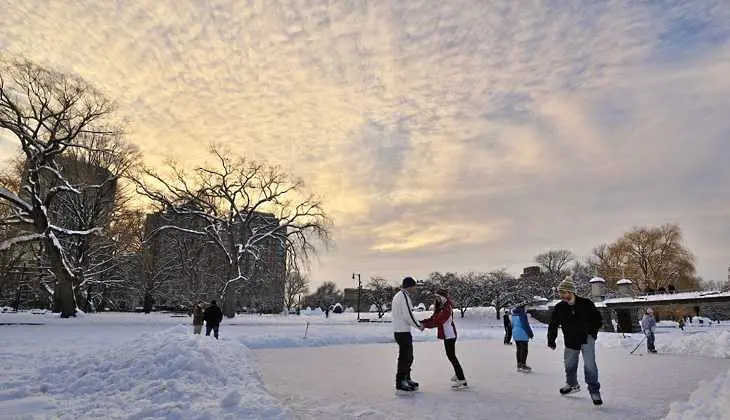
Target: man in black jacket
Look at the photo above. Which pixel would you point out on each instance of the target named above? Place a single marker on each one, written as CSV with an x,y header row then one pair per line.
x,y
580,321
507,327
213,317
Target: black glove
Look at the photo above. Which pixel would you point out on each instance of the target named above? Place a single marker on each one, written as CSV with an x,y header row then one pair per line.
x,y
552,345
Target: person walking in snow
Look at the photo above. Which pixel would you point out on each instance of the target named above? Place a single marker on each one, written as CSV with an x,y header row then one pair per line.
x,y
213,317
522,334
197,318
507,327
443,320
580,321
648,327
403,321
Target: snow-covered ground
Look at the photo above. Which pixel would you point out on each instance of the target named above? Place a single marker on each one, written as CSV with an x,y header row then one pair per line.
x,y
137,366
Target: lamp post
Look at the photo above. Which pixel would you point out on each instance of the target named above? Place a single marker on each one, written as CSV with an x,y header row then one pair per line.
x,y
359,291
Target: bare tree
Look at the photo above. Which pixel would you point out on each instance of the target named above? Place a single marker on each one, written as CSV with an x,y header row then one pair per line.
x,y
381,293
296,285
49,114
555,261
247,209
653,257
555,266
582,273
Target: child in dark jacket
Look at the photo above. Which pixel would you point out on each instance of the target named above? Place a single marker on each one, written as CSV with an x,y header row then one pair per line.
x,y
443,320
521,334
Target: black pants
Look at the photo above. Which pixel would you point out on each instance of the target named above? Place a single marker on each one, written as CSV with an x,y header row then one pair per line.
x,y
209,327
507,334
450,346
521,352
405,355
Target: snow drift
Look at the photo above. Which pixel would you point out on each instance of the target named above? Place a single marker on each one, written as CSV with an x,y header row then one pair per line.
x,y
169,375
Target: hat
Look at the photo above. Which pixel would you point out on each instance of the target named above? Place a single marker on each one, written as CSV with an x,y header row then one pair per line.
x,y
408,282
567,285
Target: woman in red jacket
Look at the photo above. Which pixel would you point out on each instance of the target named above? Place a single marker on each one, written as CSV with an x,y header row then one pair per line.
x,y
443,320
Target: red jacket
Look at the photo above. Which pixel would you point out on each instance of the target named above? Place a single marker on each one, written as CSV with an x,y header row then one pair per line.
x,y
439,319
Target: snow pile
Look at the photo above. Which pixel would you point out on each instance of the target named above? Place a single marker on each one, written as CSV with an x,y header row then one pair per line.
x,y
168,375
710,401
710,343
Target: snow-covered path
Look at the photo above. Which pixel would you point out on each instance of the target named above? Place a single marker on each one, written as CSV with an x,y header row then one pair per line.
x,y
357,382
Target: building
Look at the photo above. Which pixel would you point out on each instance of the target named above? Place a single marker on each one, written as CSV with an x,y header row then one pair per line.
x,y
184,268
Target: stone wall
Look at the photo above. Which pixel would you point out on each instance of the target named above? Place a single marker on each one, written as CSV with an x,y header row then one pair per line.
x,y
627,317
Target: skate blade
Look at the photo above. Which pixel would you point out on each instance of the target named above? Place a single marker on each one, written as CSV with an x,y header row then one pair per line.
x,y
404,393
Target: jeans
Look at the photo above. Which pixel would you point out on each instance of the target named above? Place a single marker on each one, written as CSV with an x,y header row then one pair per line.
x,y
521,353
405,355
650,341
197,329
590,368
209,327
450,346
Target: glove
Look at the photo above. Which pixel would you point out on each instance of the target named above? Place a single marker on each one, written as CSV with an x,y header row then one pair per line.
x,y
552,345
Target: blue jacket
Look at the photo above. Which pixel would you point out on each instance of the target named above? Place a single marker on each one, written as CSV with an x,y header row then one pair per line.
x,y
521,330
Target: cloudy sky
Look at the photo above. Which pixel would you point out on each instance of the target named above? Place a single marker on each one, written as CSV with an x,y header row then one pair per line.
x,y
443,135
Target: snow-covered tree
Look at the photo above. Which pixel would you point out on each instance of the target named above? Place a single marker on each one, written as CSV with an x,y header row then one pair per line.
x,y
51,115
466,290
503,289
247,209
327,294
380,294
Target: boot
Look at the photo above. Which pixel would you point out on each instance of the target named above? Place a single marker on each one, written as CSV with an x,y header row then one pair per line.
x,y
596,397
459,384
569,389
403,385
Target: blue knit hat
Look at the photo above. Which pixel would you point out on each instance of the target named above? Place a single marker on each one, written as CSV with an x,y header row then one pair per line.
x,y
408,282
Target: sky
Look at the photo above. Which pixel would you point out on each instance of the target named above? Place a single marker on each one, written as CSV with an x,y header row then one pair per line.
x,y
465,135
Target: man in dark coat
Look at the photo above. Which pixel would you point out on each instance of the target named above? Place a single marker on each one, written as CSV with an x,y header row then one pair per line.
x,y
580,321
507,327
213,317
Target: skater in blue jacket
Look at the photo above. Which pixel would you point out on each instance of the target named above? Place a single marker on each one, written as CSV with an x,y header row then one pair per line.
x,y
521,334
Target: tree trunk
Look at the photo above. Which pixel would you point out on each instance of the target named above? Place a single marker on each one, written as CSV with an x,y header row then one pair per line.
x,y
227,304
64,293
65,297
148,302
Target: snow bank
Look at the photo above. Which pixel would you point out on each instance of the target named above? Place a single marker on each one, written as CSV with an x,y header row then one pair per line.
x,y
702,343
710,401
167,375
709,343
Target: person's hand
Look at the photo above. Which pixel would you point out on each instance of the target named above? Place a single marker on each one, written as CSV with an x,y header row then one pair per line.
x,y
552,345
421,327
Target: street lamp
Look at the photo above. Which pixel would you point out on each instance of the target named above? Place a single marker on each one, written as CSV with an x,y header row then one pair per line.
x,y
359,291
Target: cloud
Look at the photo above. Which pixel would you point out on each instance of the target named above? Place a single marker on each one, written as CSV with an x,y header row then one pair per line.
x,y
478,133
